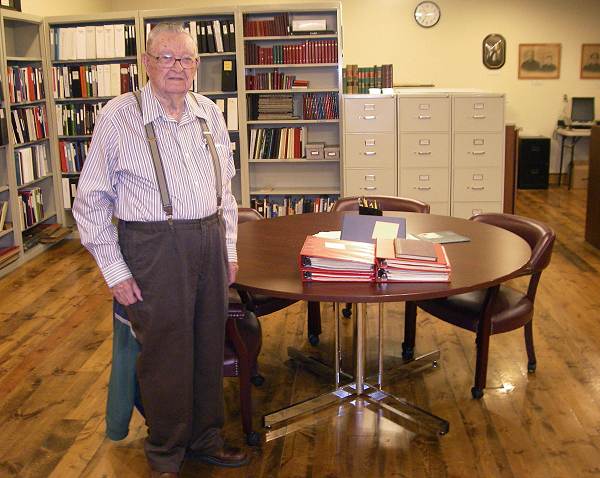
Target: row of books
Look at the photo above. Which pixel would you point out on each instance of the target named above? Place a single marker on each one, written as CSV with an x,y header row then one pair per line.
x,y
317,106
274,206
3,127
69,188
32,163
359,79
308,51
72,155
216,36
29,124
77,119
25,83
274,80
277,143
229,108
31,206
88,81
271,107
92,41
279,25
324,259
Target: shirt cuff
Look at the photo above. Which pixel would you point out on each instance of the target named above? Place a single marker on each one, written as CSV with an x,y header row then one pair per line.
x,y
231,253
115,273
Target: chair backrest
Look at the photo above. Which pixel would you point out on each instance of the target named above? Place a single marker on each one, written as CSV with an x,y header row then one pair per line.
x,y
248,214
386,203
538,235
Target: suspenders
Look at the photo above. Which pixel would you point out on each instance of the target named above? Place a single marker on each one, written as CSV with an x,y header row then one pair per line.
x,y
159,168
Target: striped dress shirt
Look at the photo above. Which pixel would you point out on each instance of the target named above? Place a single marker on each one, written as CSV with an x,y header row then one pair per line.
x,y
118,177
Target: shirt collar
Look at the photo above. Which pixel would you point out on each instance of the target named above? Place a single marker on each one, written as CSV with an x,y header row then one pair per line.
x,y
153,109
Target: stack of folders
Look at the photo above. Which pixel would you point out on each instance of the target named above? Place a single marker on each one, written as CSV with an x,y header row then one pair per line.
x,y
335,260
402,260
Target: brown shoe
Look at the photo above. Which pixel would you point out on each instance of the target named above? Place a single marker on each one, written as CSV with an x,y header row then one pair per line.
x,y
163,474
227,456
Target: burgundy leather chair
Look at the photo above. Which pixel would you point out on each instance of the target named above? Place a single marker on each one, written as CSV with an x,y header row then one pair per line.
x,y
495,310
350,203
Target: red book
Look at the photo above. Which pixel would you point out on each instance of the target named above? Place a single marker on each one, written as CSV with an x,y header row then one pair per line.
x,y
63,158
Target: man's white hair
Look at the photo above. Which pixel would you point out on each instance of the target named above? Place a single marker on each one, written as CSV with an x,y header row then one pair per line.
x,y
170,27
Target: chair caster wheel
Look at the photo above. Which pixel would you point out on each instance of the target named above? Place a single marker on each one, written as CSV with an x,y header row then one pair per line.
x,y
257,380
347,312
253,439
531,366
313,339
477,393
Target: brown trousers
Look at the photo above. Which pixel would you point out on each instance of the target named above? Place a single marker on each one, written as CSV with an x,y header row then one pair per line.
x,y
182,273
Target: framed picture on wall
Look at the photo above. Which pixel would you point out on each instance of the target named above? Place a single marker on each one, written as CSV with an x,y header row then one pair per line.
x,y
11,4
539,61
590,61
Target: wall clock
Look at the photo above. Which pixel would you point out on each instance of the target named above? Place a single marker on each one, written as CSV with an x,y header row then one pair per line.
x,y
494,51
427,14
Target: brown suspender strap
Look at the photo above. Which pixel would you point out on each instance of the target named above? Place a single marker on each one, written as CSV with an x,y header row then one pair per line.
x,y
157,162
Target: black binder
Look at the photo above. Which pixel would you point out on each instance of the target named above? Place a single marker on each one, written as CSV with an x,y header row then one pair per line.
x,y
228,76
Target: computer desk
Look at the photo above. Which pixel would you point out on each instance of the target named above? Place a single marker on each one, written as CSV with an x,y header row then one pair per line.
x,y
574,135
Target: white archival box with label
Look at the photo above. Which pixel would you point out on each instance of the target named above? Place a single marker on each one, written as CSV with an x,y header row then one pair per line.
x,y
309,25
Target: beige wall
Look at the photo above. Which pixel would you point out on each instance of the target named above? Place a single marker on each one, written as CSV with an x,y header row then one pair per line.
x,y
65,7
449,54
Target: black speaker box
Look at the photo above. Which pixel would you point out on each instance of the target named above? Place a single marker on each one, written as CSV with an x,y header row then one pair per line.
x,y
534,162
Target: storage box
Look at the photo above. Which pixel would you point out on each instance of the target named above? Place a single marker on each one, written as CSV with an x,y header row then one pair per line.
x,y
315,150
331,152
579,174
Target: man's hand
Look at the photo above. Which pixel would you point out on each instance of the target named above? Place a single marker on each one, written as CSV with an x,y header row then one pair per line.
x,y
232,268
127,292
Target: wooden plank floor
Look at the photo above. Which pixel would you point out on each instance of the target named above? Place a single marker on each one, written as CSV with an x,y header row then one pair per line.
x,y
55,351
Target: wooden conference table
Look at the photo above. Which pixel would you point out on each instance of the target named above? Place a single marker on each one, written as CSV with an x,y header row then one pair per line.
x,y
268,255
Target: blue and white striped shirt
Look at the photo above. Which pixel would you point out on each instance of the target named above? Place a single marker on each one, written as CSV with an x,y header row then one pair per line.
x,y
118,177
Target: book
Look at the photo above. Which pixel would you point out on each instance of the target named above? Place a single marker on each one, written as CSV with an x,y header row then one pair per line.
x,y
3,213
228,76
369,228
443,237
420,250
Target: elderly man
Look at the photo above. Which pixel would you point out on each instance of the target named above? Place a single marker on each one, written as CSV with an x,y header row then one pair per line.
x,y
175,253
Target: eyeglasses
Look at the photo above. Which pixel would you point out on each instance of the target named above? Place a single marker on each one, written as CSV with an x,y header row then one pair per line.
x,y
167,61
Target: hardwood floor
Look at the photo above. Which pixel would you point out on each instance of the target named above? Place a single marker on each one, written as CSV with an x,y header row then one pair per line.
x,y
55,353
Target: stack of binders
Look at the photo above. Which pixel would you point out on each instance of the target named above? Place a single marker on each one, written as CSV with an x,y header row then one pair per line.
x,y
335,260
402,260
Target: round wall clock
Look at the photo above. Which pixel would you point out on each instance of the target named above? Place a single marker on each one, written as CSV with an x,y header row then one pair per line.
x,y
494,51
427,14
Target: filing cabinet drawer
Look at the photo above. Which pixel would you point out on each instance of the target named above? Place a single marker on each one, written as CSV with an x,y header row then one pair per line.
x,y
374,150
477,150
369,115
426,184
424,114
477,184
439,208
479,114
468,209
379,182
424,150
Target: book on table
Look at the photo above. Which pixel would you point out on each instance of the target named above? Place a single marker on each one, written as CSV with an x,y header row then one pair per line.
x,y
392,268
335,260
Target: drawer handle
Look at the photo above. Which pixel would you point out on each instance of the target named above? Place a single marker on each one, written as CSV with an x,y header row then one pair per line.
x,y
479,116
477,188
368,117
424,116
423,188
370,153
478,153
369,188
424,153
369,177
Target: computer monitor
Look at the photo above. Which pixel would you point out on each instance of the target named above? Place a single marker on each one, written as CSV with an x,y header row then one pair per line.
x,y
582,110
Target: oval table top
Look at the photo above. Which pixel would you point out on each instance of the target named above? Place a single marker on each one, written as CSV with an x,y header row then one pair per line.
x,y
268,256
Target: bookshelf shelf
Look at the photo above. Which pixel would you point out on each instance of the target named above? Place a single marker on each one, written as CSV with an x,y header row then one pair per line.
x,y
319,36
34,182
294,91
83,100
217,54
4,188
28,103
6,232
91,61
293,161
294,191
41,221
75,137
30,143
293,121
24,59
293,65
218,93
